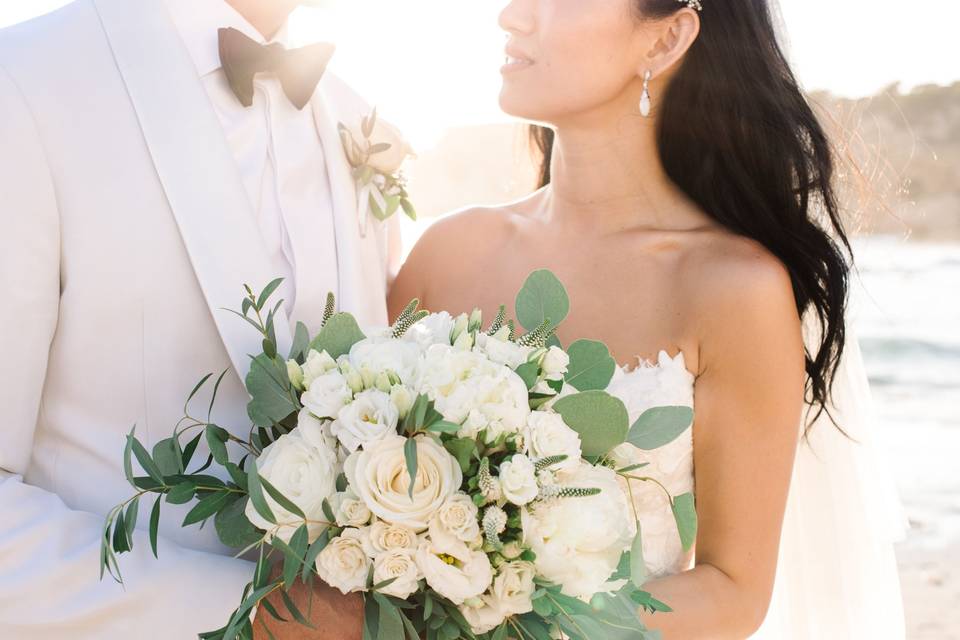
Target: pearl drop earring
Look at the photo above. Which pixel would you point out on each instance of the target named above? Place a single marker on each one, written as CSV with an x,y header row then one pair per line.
x,y
645,96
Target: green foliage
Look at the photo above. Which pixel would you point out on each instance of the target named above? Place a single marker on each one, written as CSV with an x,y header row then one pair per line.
x,y
659,426
685,513
591,365
599,418
339,333
542,297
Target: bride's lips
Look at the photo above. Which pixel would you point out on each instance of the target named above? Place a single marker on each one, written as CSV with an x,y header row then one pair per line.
x,y
516,60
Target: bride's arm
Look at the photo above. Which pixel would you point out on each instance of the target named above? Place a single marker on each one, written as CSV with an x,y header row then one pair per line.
x,y
749,398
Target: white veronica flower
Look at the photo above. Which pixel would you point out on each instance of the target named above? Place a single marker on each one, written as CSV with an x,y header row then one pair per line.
x,y
371,416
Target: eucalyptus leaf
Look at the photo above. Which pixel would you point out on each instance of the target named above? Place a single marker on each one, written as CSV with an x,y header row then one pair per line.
x,y
599,418
301,342
257,497
462,449
166,456
154,526
337,336
267,292
529,372
591,365
146,462
281,499
216,440
638,568
270,399
685,513
410,453
206,507
542,296
233,527
181,493
659,426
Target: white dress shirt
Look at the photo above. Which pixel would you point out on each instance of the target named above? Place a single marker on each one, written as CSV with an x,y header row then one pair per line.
x,y
279,156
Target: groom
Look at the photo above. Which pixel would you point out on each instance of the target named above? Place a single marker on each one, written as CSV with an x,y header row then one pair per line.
x,y
148,171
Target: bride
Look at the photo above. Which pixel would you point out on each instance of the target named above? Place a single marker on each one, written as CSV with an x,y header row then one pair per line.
x,y
687,204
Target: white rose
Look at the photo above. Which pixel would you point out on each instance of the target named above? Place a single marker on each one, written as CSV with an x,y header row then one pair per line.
x,y
547,435
386,354
503,352
484,616
389,161
434,329
371,416
304,470
454,570
578,542
343,564
518,480
555,363
378,474
384,536
326,395
316,364
457,520
399,565
349,510
513,587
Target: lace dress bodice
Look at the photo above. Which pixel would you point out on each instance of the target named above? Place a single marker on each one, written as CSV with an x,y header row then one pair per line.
x,y
665,382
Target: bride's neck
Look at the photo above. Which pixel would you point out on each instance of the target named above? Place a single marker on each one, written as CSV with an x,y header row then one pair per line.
x,y
266,16
609,178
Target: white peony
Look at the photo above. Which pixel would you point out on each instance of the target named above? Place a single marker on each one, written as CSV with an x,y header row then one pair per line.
x,y
546,435
304,470
483,614
578,541
376,355
371,416
326,395
454,570
400,566
316,364
513,587
343,564
349,510
555,363
456,521
383,536
518,480
434,329
378,474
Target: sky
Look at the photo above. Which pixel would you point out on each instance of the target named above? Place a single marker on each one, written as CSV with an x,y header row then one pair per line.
x,y
432,64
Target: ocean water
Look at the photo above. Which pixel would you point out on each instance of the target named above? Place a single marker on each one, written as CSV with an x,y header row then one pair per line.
x,y
906,311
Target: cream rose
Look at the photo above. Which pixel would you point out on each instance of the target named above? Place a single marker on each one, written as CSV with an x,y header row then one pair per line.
x,y
326,395
547,435
456,521
379,476
304,470
518,480
513,587
399,565
389,161
343,564
383,536
349,510
453,570
371,416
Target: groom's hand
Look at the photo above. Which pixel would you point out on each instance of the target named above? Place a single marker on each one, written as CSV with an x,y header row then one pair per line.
x,y
334,616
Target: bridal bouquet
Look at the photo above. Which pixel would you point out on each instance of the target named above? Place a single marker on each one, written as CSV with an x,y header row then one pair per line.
x,y
457,475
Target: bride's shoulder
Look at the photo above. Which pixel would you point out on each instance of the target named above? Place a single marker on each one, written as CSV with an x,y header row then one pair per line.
x,y
475,228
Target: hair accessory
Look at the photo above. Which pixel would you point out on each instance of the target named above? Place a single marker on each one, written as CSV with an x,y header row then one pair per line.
x,y
693,4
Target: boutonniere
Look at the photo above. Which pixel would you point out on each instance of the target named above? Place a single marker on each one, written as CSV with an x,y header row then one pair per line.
x,y
376,151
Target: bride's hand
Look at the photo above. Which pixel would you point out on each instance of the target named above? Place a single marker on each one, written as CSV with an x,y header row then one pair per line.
x,y
334,616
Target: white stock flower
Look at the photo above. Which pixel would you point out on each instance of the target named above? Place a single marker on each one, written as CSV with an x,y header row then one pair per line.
x,y
349,510
513,587
378,474
316,364
326,395
555,363
547,435
370,417
373,356
456,521
578,541
400,566
518,480
302,468
383,536
343,563
454,570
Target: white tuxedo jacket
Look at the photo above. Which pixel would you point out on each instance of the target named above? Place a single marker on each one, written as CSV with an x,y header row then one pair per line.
x,y
124,229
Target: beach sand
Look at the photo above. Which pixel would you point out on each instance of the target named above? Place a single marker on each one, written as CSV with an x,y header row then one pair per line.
x,y
930,580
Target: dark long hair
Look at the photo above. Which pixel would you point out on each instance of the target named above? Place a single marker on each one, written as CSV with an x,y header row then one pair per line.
x,y
736,133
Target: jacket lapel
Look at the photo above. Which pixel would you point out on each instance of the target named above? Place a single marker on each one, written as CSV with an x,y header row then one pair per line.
x,y
195,167
362,260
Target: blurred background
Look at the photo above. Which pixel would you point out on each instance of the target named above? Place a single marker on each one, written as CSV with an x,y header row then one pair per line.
x,y
886,77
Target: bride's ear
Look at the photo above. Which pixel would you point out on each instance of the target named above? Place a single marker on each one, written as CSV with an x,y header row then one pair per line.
x,y
670,39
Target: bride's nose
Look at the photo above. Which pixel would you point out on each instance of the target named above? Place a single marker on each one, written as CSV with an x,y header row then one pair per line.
x,y
518,17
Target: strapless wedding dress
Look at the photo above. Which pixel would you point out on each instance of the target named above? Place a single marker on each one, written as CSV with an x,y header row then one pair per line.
x,y
837,575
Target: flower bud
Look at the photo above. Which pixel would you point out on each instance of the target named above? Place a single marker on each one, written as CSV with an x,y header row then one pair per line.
x,y
295,373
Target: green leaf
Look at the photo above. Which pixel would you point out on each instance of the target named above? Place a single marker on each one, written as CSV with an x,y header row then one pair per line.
x,y
443,427
181,493
408,209
659,426
189,450
390,625
130,520
301,342
155,525
196,388
500,633
269,348
267,292
591,365
294,611
599,418
281,499
462,449
120,541
213,396
270,400
410,453
310,559
206,508
638,568
529,372
633,467
337,336
293,562
216,440
256,495
127,452
146,462
685,513
542,296
233,527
